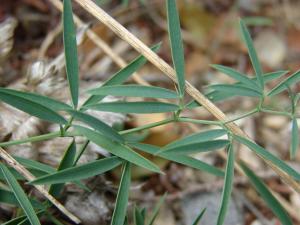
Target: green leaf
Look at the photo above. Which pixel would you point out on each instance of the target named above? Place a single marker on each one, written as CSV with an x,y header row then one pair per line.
x,y
252,53
134,107
117,149
274,75
198,137
133,90
176,44
156,209
237,76
197,220
80,172
20,219
20,195
268,156
196,147
228,184
50,103
122,75
293,79
66,162
30,106
182,159
32,164
119,213
270,200
138,216
98,125
295,138
257,21
8,197
70,46
235,89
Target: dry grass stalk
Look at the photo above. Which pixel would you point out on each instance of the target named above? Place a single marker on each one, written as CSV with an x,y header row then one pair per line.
x,y
24,172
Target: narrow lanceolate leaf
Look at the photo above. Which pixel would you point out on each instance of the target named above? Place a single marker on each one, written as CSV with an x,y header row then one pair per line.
x,y
252,53
235,89
196,147
227,189
268,156
66,162
134,107
117,149
135,91
293,79
274,75
8,197
182,159
98,125
50,103
156,209
31,107
138,216
121,76
70,47
32,164
295,138
20,196
199,217
198,137
237,76
270,200
119,213
80,172
176,44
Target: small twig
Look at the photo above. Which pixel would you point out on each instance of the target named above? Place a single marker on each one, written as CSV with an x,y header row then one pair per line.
x,y
24,172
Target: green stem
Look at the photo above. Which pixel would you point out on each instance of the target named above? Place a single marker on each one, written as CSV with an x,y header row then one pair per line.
x,y
206,122
281,113
148,126
42,137
253,111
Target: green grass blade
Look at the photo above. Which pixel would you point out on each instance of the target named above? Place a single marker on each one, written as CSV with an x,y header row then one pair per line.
x,y
252,54
134,107
117,149
198,137
119,213
176,44
235,89
98,125
295,138
228,184
182,159
274,75
199,217
293,79
20,196
268,156
31,107
237,76
196,147
122,75
20,219
70,46
50,103
66,162
133,90
80,172
270,200
156,209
